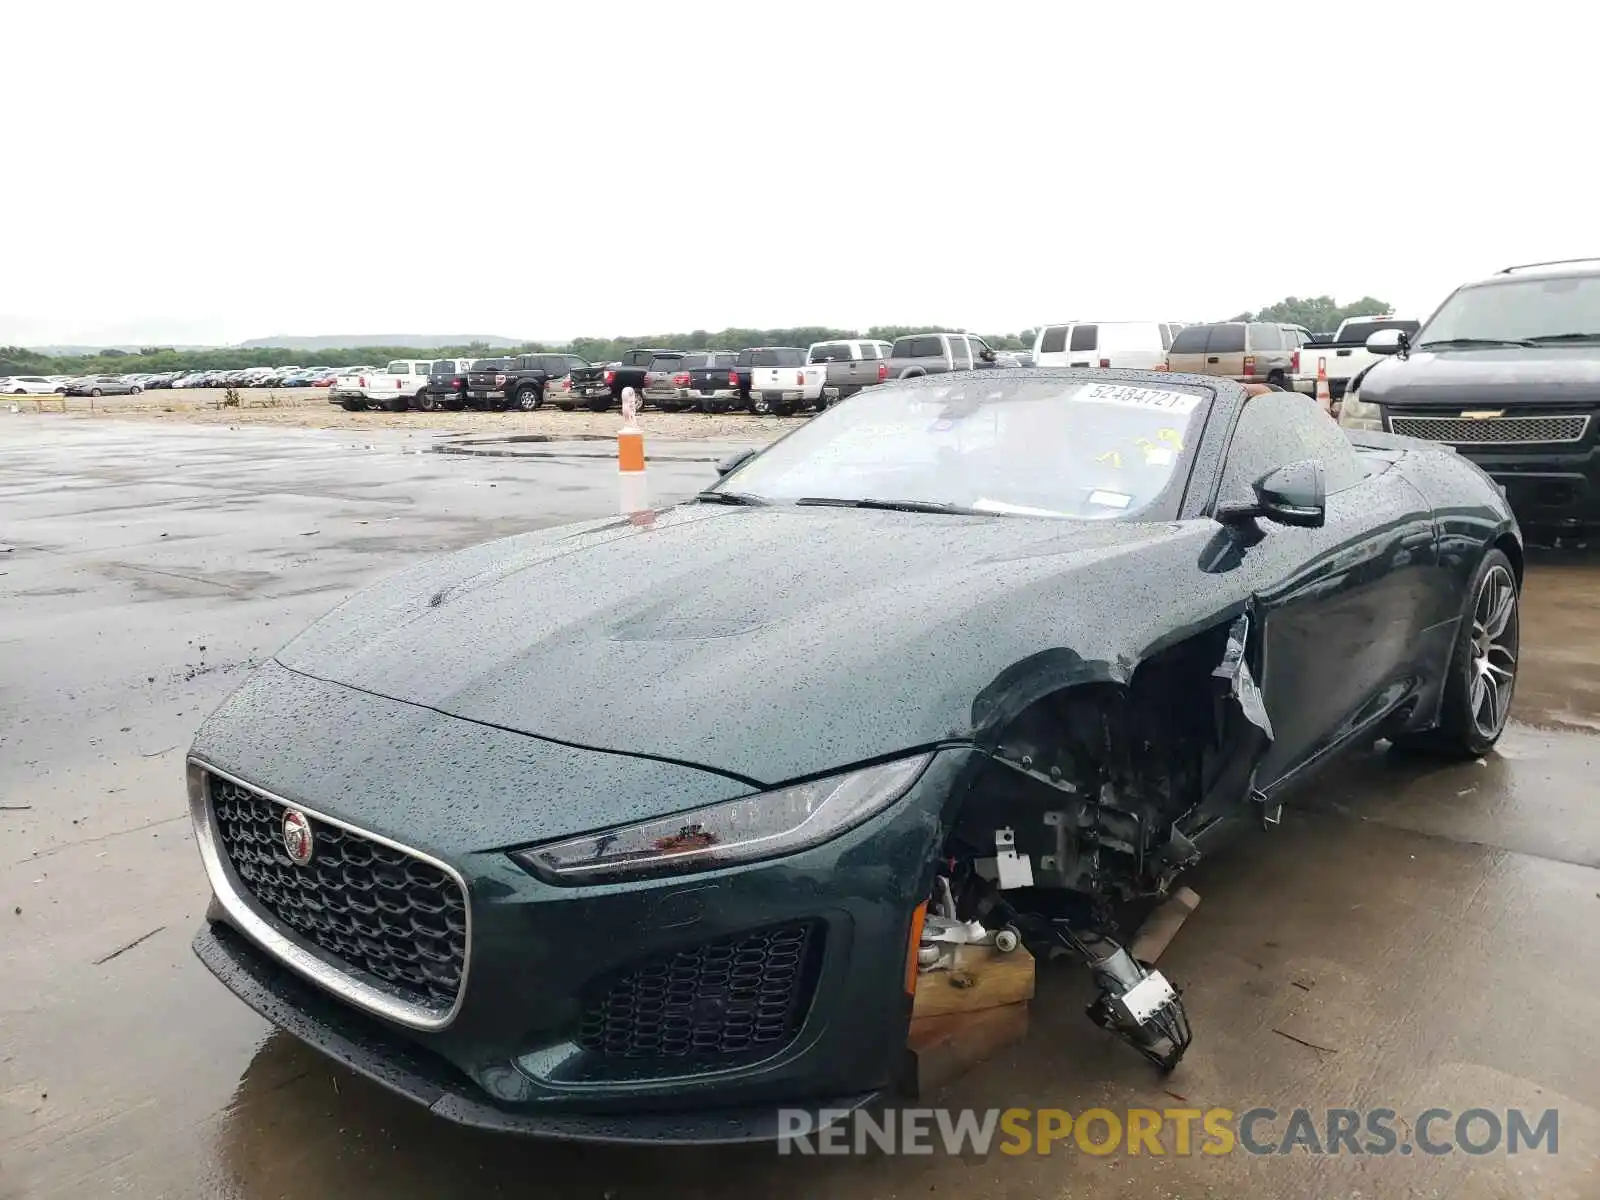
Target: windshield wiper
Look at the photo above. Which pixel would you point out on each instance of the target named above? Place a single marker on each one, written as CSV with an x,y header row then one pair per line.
x,y
728,498
1564,337
1475,342
917,506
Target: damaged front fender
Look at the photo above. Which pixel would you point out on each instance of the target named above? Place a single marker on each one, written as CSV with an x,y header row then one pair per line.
x,y
1106,779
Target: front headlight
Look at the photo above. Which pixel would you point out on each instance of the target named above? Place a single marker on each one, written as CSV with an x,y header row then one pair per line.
x,y
765,825
1353,414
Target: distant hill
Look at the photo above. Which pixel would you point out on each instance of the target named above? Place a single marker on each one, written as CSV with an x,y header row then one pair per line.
x,y
343,341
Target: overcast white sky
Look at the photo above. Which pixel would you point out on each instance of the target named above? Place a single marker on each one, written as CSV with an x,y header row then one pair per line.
x,y
210,172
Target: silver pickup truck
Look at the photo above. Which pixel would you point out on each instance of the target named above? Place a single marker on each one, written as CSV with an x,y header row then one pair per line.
x,y
935,353
853,364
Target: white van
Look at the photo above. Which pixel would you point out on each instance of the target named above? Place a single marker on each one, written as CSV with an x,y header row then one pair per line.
x,y
1137,345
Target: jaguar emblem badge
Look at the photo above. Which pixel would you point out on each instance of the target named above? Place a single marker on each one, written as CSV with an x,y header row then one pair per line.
x,y
297,837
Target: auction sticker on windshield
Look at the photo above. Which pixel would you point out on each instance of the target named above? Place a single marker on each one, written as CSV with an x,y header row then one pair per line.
x,y
1139,397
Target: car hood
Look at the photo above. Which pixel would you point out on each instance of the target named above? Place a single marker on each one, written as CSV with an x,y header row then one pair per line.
x,y
764,643
1499,377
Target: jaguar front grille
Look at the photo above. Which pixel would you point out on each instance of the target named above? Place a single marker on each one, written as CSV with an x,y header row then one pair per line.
x,y
1496,431
395,923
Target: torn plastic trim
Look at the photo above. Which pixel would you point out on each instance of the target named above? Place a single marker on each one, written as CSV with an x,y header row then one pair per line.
x,y
1242,682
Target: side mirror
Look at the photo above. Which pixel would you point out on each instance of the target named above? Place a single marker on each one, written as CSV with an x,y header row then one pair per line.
x,y
1388,341
734,461
1291,495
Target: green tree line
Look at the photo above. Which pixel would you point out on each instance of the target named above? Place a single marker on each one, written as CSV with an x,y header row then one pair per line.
x,y
1316,313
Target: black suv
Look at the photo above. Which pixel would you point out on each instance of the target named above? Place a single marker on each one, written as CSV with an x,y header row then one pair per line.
x,y
521,382
1507,371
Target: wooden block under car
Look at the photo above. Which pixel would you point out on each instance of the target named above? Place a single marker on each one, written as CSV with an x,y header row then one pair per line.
x,y
944,1047
991,980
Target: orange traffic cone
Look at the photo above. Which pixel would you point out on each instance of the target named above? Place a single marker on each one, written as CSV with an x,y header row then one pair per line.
x,y
634,495
1324,393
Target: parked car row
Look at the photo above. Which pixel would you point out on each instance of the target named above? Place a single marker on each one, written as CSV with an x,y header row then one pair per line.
x,y
132,384
784,380
760,379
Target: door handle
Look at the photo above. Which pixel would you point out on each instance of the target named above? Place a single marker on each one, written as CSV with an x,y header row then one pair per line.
x,y
1212,359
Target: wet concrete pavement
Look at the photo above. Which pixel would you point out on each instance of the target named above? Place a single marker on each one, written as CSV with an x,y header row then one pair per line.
x,y
1412,936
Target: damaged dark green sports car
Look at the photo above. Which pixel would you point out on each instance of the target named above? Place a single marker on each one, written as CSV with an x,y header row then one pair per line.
x,y
638,829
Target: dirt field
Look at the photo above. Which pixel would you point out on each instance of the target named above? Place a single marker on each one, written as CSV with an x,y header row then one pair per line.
x,y
308,408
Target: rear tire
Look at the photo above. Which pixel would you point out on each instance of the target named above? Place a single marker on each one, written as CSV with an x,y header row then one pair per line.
x,y
1482,675
528,399
565,405
426,401
350,405
399,403
135,390
598,405
760,405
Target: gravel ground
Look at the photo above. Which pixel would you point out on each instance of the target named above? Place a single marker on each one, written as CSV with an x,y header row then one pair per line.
x,y
309,409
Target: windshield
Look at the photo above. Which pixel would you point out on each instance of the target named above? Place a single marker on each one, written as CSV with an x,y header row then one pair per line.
x,y
1518,309
1037,447
779,356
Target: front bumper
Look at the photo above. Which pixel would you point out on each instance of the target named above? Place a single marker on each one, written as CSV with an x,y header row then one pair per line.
x,y
1545,489
415,1074
1308,386
519,1052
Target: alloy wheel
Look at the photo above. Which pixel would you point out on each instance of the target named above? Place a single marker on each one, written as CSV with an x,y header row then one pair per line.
x,y
1495,629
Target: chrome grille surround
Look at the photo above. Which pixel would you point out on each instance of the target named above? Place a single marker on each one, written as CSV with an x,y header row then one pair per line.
x,y
288,945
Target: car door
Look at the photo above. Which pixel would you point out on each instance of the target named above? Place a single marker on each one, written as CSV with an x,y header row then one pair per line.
x,y
1340,609
1083,345
1187,353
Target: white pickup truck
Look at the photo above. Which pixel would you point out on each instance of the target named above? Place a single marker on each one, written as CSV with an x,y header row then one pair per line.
x,y
400,384
1344,357
782,382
